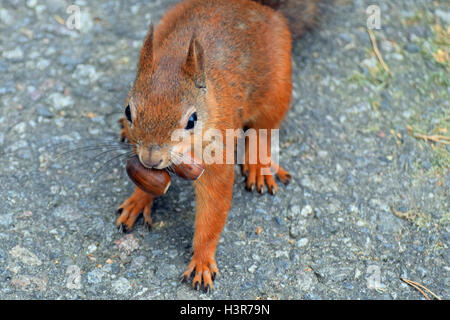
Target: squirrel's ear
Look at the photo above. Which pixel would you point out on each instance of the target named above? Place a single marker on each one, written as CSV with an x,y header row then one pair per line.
x,y
193,67
146,55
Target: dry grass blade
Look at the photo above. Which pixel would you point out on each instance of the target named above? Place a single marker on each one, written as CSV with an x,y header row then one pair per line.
x,y
402,215
434,138
418,286
377,52
437,138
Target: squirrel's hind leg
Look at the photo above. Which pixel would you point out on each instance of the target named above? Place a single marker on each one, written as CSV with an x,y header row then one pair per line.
x,y
265,113
260,173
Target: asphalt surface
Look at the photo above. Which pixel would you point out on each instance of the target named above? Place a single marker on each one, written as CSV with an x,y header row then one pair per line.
x,y
369,200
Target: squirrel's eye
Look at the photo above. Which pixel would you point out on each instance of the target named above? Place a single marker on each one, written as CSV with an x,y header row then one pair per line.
x,y
191,121
128,113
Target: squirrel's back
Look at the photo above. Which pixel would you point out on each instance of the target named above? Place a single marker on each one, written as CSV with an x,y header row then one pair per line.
x,y
222,26
247,46
234,33
300,14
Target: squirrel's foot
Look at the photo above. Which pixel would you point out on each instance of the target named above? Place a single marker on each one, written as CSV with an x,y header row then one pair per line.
x,y
205,272
260,176
130,209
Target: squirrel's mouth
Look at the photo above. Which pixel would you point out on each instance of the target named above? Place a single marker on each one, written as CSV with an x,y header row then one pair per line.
x,y
152,164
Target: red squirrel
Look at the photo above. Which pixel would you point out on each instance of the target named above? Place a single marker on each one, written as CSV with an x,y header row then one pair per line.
x,y
226,63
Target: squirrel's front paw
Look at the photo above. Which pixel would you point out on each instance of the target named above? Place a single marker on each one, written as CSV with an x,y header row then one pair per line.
x,y
205,273
130,209
257,177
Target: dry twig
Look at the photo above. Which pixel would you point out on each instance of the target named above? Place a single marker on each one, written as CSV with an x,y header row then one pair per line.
x,y
418,286
377,52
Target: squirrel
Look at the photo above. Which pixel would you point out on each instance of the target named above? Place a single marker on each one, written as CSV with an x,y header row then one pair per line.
x,y
226,63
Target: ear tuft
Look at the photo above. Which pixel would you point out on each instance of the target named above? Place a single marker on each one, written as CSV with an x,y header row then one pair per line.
x,y
146,55
193,67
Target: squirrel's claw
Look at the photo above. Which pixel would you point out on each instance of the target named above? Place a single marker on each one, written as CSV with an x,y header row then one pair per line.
x,y
250,187
261,188
148,226
207,289
123,228
196,285
283,175
273,189
184,278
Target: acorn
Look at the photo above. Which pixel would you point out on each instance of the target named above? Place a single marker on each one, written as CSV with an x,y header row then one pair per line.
x,y
152,181
189,171
157,182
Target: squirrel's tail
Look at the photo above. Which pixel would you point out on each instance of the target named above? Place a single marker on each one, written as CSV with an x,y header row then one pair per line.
x,y
301,14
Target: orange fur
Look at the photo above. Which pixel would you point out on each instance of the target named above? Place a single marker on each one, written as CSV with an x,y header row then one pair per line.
x,y
241,51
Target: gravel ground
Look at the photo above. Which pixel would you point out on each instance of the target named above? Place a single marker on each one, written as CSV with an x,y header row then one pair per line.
x,y
369,202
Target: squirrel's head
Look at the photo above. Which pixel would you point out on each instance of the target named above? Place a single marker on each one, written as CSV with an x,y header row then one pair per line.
x,y
166,102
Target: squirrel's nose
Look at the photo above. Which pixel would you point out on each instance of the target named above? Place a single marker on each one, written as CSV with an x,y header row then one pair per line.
x,y
150,158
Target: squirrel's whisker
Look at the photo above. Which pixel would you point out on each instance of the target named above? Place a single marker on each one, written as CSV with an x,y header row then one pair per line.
x,y
91,148
107,164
